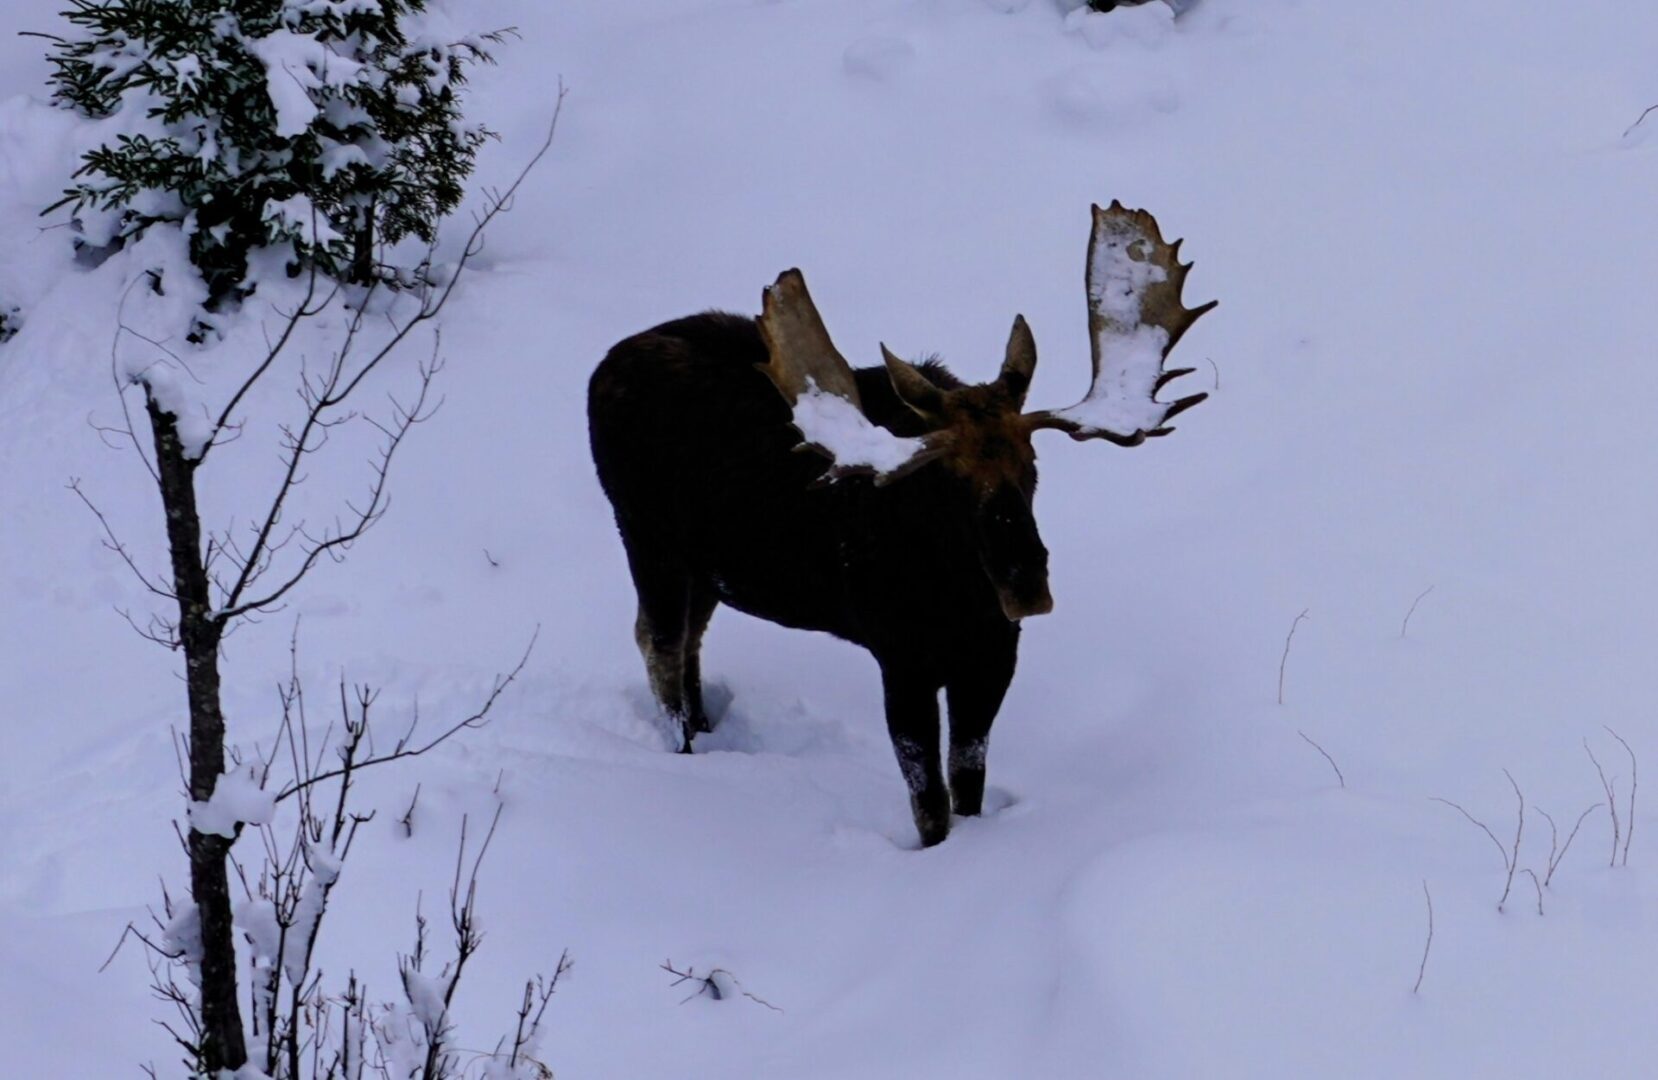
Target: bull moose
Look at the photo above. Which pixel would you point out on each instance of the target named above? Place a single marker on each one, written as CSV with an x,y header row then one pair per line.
x,y
906,524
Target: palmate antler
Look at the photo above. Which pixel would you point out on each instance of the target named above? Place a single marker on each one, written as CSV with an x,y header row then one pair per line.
x,y
1135,319
817,381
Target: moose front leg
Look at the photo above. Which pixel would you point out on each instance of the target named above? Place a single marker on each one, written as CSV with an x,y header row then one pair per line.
x,y
975,695
912,722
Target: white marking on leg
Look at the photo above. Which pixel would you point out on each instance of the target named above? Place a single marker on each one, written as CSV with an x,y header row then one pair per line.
x,y
968,755
912,763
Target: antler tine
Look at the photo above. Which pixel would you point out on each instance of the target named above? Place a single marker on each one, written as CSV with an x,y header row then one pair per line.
x,y
1135,319
817,382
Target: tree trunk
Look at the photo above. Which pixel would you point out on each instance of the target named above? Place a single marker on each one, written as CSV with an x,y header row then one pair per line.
x,y
223,1045
362,253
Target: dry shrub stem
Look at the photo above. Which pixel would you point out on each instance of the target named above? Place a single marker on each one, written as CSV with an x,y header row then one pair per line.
x,y
1629,821
1428,946
1340,778
709,984
1538,885
1284,661
1557,852
1511,858
1610,788
1404,626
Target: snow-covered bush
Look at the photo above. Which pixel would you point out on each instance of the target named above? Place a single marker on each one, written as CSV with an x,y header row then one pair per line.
x,y
333,126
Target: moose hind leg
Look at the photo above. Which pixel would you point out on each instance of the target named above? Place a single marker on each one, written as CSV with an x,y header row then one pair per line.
x,y
661,630
912,722
702,602
974,695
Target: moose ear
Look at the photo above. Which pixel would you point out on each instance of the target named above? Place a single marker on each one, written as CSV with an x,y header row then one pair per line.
x,y
913,388
1020,363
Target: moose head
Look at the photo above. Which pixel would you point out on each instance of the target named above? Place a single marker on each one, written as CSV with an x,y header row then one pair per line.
x,y
980,435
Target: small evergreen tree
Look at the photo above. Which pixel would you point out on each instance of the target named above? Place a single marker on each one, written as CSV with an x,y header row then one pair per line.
x,y
333,126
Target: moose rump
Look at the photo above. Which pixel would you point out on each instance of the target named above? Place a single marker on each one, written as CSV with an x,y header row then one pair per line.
x,y
749,465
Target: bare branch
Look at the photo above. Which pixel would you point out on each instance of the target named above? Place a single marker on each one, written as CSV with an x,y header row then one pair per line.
x,y
340,538
476,719
113,543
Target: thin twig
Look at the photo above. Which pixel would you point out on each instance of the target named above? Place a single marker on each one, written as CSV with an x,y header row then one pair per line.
x,y
1428,947
1637,123
1286,658
1342,779
1406,624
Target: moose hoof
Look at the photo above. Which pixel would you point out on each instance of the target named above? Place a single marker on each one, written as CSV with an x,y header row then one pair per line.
x,y
932,821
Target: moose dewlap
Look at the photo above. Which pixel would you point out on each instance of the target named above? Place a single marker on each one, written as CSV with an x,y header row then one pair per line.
x,y
750,465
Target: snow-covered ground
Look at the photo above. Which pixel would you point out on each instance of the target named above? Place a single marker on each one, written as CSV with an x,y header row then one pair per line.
x,y
1434,248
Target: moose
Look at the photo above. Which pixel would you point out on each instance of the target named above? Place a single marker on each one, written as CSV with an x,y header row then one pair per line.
x,y
750,465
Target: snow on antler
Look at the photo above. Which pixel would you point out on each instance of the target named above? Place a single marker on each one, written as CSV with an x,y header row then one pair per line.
x,y
1135,318
818,383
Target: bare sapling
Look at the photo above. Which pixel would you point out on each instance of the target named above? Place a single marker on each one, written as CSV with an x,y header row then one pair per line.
x,y
537,993
221,579
415,1040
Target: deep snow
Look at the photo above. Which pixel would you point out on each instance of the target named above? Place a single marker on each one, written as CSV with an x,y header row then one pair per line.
x,y
1433,246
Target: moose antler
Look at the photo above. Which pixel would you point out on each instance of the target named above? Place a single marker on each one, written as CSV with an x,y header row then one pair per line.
x,y
1135,319
818,383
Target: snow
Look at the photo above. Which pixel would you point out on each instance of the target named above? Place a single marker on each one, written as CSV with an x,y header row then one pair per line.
x,y
238,798
1170,882
835,424
297,66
